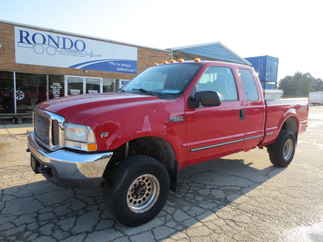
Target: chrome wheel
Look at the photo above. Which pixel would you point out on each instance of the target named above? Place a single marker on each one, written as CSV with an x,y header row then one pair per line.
x,y
288,149
143,193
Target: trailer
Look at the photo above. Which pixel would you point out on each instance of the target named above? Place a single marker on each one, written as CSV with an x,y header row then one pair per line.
x,y
316,98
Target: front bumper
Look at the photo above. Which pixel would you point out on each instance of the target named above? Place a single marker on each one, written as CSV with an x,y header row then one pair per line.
x,y
67,167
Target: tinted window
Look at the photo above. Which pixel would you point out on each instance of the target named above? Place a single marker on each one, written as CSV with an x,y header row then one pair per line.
x,y
164,79
6,92
249,85
221,80
30,90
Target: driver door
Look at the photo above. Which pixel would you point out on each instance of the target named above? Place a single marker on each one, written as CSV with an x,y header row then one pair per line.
x,y
215,131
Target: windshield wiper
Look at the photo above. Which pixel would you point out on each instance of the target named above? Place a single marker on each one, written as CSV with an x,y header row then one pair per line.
x,y
145,91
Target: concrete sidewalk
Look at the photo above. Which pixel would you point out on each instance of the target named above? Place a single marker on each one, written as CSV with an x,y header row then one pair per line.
x,y
14,129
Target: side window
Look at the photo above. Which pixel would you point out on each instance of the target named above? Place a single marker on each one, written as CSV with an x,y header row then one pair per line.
x,y
249,85
221,80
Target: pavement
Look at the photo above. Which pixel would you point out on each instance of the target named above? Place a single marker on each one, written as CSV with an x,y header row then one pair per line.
x,y
238,198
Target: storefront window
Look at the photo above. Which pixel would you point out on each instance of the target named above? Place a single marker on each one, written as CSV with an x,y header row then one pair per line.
x,y
56,86
123,83
6,92
92,85
108,85
30,90
74,85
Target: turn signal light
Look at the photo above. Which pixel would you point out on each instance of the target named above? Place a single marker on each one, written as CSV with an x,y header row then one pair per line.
x,y
92,147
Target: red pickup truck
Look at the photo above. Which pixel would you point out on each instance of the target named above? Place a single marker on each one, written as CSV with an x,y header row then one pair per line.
x,y
170,116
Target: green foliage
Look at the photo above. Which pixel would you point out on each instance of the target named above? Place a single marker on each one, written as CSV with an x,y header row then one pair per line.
x,y
300,85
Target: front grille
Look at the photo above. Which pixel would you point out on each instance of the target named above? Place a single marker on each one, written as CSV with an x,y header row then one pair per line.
x,y
55,132
48,129
42,125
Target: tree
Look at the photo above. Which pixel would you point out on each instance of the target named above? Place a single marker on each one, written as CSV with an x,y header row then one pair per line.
x,y
317,85
300,85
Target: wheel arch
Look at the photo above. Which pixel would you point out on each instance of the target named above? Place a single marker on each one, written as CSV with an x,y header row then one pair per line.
x,y
291,122
156,147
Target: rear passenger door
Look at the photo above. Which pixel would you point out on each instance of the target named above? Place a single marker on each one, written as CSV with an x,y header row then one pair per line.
x,y
253,109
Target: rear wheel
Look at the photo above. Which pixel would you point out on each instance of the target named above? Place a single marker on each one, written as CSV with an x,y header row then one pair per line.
x,y
138,190
282,152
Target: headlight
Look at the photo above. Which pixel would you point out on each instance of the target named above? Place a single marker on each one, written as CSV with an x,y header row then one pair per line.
x,y
79,137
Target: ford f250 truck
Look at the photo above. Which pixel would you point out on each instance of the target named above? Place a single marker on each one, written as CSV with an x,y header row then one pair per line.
x,y
169,117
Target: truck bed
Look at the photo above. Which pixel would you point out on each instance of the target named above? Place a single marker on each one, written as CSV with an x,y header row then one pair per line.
x,y
278,110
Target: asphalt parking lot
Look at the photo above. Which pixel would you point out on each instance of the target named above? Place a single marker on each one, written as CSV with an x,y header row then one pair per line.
x,y
238,198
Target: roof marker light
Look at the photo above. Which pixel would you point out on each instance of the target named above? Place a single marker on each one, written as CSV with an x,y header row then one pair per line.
x,y
180,60
197,59
172,61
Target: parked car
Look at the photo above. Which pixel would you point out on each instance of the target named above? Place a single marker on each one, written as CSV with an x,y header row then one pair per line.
x,y
169,117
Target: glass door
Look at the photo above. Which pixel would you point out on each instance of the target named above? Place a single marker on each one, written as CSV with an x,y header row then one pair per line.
x,y
7,104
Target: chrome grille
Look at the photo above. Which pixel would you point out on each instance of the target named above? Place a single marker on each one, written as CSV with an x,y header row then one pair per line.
x,y
55,132
48,129
42,125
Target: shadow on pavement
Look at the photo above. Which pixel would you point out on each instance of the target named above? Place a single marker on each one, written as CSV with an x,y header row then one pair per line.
x,y
41,211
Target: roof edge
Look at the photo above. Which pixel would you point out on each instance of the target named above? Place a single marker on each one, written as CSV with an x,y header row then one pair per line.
x,y
192,46
247,62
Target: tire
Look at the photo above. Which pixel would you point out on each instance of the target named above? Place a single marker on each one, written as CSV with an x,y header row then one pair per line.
x,y
150,184
279,156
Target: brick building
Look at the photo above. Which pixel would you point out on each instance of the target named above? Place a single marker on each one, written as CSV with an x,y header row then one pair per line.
x,y
38,64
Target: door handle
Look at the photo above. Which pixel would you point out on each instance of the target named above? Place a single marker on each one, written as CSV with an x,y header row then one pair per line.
x,y
242,114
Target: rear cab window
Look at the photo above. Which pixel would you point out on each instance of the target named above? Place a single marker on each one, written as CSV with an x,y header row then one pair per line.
x,y
249,85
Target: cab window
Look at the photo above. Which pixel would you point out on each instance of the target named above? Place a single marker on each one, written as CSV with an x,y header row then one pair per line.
x,y
249,85
221,80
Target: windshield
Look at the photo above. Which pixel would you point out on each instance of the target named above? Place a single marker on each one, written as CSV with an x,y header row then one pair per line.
x,y
170,79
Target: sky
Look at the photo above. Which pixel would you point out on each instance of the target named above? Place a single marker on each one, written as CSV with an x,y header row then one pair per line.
x,y
289,30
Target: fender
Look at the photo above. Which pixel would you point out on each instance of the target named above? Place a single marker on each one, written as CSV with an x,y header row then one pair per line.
x,y
119,136
290,113
174,143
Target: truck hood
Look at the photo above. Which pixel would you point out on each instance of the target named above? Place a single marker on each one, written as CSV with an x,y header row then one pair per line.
x,y
79,109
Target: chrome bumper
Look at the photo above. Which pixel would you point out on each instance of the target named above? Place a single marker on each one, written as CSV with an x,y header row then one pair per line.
x,y
68,167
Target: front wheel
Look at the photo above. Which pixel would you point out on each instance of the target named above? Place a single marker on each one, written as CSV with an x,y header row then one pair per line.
x,y
282,152
139,190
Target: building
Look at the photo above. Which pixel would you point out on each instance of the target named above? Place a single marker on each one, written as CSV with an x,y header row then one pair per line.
x,y
38,64
209,51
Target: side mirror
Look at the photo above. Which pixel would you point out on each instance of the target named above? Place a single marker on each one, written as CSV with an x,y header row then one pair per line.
x,y
206,98
209,98
193,101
